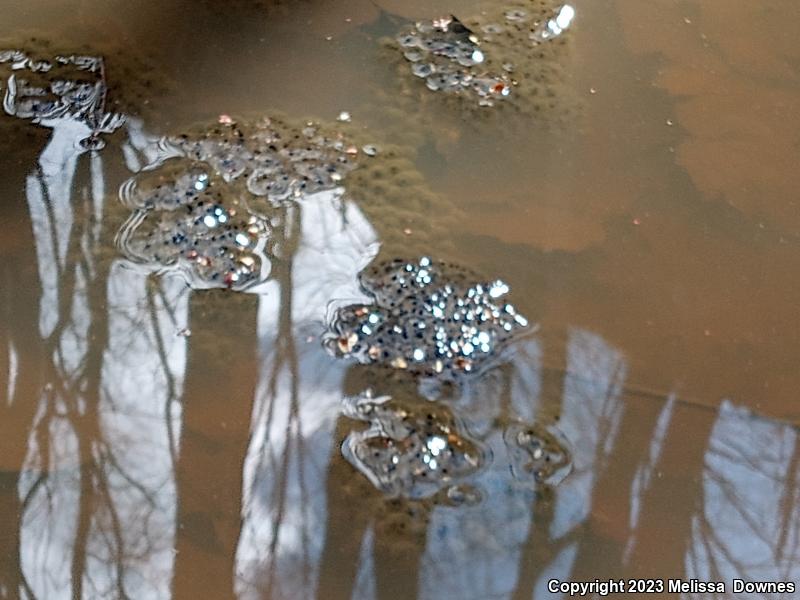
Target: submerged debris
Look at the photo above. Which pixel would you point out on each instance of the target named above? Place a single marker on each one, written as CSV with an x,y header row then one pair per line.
x,y
428,317
69,87
412,450
207,205
538,454
476,58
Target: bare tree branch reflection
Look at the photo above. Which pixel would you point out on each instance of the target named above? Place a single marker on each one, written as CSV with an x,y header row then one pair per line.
x,y
326,241
87,507
538,551
747,524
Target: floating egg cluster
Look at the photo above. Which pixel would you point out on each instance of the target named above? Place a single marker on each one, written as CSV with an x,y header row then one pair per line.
x,y
185,217
486,58
538,454
414,450
277,161
448,56
428,317
208,206
66,87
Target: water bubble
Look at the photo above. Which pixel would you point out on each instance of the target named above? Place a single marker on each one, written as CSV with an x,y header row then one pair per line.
x,y
201,182
370,150
556,25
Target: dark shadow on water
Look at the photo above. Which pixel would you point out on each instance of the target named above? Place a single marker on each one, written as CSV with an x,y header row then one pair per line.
x,y
217,405
19,335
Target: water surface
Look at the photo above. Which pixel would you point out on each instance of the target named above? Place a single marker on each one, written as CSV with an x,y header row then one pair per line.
x,y
639,200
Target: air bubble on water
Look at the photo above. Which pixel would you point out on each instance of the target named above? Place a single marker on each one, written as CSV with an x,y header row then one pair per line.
x,y
498,289
556,25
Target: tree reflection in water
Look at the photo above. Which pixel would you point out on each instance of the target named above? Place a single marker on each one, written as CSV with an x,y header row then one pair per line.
x,y
124,442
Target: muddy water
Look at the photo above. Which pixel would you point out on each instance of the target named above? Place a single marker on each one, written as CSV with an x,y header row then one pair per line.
x,y
637,192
